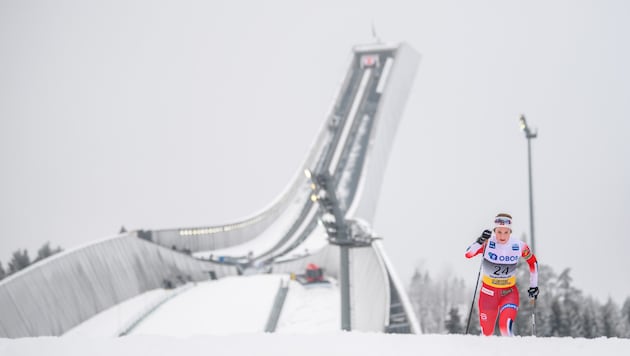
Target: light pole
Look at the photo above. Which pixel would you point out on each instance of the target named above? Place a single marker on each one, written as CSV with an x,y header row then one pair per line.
x,y
324,193
529,135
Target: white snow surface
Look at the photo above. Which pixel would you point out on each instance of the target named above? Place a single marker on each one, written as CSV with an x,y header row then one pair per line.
x,y
225,306
119,318
330,343
311,308
228,316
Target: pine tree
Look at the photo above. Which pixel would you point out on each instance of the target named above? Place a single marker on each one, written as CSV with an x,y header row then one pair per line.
x,y
443,300
2,272
571,299
416,295
590,319
625,316
430,305
575,317
543,316
567,315
559,321
19,261
459,293
611,318
431,300
453,324
46,251
547,282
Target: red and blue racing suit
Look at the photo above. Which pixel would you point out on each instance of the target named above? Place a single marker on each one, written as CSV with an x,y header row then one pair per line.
x,y
499,295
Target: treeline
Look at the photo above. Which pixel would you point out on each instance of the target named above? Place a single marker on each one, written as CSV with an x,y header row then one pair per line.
x,y
443,304
21,260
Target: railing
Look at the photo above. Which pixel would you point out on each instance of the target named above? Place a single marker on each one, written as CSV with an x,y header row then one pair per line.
x,y
58,293
278,303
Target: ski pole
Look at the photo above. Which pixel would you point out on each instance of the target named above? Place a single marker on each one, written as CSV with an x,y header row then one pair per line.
x,y
472,305
534,317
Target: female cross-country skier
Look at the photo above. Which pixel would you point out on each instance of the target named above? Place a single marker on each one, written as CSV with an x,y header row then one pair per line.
x,y
499,295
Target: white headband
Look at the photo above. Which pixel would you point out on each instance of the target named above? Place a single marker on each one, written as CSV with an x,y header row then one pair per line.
x,y
503,221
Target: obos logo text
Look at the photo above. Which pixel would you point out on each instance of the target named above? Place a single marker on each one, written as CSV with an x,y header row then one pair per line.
x,y
494,257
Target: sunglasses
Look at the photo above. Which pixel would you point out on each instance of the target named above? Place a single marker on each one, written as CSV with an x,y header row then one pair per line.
x,y
503,221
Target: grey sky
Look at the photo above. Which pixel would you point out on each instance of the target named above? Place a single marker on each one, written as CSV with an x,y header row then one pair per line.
x,y
155,114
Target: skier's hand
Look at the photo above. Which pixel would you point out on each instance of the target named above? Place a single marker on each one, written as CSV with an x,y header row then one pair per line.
x,y
533,292
485,235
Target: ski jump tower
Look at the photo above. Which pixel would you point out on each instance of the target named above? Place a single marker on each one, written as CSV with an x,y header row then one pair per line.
x,y
351,149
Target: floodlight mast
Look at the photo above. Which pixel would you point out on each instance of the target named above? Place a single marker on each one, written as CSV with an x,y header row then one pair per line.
x,y
324,193
529,135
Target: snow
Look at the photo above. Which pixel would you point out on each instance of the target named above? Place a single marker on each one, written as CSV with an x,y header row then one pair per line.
x,y
311,308
121,317
228,316
226,306
331,343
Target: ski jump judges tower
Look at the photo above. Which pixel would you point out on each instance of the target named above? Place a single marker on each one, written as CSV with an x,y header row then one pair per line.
x,y
56,294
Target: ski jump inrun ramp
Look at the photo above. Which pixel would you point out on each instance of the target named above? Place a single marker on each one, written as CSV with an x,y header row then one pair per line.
x,y
65,291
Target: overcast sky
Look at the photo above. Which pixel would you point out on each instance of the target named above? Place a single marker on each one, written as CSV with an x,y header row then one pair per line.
x,y
158,114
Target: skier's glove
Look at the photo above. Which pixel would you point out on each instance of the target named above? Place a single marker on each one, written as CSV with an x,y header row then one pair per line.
x,y
533,292
485,235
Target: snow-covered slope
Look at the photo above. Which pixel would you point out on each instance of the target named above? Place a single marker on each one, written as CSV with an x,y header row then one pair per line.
x,y
227,316
226,306
335,343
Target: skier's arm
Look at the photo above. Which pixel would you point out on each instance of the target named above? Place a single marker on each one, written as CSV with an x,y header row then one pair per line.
x,y
475,249
533,265
478,246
